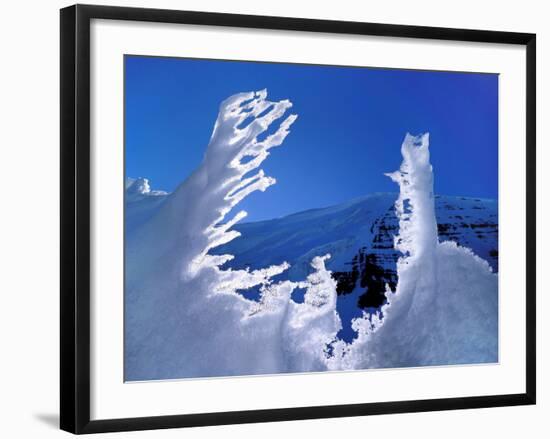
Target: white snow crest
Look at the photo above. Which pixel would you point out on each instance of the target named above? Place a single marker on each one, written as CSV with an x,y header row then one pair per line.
x,y
186,316
415,205
233,153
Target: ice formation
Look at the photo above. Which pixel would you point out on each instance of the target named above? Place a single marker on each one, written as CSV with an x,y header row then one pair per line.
x,y
445,307
185,315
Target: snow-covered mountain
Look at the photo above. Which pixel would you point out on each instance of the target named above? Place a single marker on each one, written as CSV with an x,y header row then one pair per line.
x,y
358,234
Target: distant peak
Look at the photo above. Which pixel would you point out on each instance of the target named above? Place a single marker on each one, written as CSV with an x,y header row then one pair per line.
x,y
141,186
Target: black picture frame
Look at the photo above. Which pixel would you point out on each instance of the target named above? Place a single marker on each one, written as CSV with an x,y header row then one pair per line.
x,y
75,218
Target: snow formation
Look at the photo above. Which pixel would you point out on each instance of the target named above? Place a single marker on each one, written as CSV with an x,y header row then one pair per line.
x,y
445,307
185,315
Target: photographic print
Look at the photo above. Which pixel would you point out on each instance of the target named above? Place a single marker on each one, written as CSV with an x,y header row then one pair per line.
x,y
291,218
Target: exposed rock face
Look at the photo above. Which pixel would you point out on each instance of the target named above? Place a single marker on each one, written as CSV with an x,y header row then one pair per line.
x,y
469,222
369,274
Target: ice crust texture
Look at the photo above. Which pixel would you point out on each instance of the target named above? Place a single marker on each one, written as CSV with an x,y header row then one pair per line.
x,y
185,315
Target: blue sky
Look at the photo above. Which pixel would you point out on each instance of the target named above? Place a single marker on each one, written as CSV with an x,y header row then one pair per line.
x,y
349,131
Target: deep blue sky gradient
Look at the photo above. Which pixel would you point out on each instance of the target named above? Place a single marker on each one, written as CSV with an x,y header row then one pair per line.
x,y
349,131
